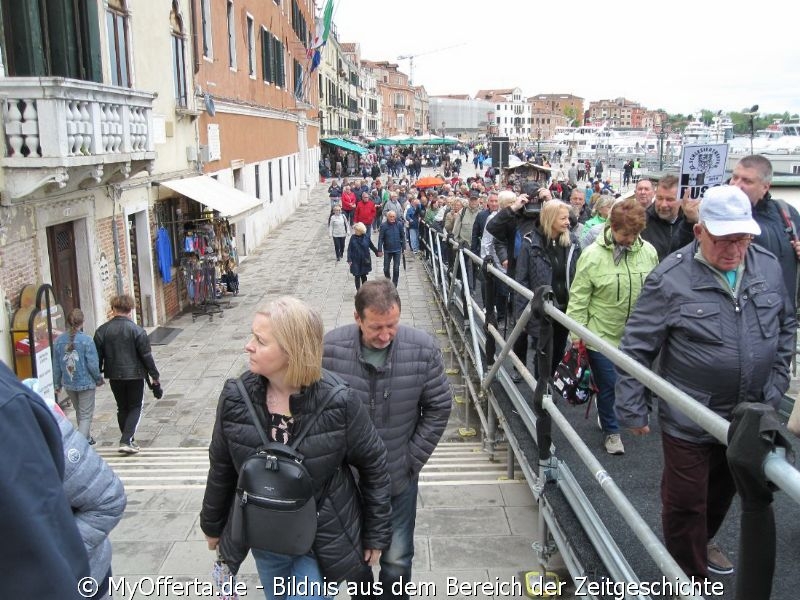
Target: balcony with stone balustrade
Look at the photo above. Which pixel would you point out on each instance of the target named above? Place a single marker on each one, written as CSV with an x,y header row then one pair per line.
x,y
65,134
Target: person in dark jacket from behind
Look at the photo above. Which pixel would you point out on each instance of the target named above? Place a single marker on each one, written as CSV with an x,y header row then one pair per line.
x,y
41,549
286,383
125,359
398,373
669,220
358,254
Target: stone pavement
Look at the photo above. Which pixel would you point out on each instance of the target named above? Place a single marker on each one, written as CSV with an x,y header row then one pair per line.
x,y
478,532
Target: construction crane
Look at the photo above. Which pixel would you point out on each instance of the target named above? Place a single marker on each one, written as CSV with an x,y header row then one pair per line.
x,y
411,57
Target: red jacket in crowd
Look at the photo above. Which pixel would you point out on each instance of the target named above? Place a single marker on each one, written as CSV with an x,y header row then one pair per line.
x,y
365,212
348,200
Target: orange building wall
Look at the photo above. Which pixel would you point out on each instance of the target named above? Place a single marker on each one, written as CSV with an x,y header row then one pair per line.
x,y
244,136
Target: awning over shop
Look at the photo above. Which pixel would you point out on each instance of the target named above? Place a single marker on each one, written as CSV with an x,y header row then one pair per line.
x,y
346,145
228,201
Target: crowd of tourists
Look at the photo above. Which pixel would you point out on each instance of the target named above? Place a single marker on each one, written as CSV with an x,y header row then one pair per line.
x,y
704,292
693,289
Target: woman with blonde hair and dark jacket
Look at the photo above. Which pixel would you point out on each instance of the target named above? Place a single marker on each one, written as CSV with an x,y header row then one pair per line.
x,y
548,256
287,385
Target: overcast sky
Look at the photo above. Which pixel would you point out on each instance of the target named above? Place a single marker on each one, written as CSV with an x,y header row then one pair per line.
x,y
679,55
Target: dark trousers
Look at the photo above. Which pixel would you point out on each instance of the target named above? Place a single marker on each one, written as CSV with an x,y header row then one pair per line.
x,y
696,492
605,377
388,259
560,335
129,394
338,246
359,279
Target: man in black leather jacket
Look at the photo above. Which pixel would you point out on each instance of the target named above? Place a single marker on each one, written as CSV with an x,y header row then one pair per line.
x,y
125,360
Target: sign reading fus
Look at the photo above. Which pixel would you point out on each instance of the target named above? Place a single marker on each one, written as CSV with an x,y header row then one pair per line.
x,y
702,167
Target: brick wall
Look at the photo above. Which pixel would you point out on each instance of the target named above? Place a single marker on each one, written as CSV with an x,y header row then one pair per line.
x,y
18,268
106,268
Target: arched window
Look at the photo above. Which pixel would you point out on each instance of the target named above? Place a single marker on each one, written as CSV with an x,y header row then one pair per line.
x,y
118,46
178,56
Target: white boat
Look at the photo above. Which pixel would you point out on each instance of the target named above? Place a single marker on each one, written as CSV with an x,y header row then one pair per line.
x,y
780,143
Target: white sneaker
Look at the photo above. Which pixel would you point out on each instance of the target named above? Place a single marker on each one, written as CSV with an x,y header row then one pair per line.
x,y
613,444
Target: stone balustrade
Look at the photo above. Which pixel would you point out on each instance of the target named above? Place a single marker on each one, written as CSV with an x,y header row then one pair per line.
x,y
52,121
63,133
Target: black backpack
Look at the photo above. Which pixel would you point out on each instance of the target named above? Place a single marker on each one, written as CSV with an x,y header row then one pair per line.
x,y
275,507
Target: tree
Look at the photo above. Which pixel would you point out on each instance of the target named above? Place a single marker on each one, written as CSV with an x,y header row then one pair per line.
x,y
572,114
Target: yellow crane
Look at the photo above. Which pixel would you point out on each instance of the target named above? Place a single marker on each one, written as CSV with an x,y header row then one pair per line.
x,y
411,57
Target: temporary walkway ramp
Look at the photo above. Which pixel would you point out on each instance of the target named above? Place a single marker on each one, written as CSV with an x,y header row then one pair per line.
x,y
600,513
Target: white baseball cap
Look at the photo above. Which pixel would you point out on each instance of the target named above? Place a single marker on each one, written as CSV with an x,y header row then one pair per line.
x,y
725,210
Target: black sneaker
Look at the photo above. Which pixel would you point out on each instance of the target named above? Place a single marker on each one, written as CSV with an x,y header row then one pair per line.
x,y
91,441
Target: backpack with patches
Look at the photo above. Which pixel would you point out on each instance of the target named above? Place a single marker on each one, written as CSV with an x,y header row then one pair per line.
x,y
573,377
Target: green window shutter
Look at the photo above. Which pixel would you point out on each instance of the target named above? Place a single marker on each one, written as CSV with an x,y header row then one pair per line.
x,y
22,25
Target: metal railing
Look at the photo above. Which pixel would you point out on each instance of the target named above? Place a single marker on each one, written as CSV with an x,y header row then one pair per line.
x,y
463,314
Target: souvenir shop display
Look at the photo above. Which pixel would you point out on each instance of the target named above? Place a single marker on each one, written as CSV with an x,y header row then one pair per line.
x,y
208,266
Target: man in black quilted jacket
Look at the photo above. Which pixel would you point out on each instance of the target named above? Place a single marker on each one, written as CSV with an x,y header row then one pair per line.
x,y
125,360
398,374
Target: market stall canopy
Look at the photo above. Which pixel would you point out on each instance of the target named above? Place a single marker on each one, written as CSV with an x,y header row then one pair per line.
x,y
227,201
392,142
346,145
434,140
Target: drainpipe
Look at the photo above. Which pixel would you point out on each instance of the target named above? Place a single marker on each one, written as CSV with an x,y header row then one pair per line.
x,y
114,192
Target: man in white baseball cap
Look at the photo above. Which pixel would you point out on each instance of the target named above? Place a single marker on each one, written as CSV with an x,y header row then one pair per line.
x,y
717,315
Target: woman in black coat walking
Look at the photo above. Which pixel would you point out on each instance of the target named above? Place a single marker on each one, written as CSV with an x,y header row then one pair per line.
x,y
548,256
287,384
358,254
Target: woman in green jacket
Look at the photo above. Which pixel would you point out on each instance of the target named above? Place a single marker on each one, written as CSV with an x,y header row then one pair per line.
x,y
609,277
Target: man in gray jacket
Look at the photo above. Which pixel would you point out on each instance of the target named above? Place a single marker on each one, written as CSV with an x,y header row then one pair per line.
x,y
398,374
718,316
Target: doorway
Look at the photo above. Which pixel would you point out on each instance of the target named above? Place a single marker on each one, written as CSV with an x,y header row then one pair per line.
x,y
63,265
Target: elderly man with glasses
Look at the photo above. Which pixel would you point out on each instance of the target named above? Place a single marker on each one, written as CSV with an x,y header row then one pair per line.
x,y
719,318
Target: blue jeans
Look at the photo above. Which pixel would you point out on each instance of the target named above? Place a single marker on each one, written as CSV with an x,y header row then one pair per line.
x,y
395,560
605,376
413,239
388,259
291,572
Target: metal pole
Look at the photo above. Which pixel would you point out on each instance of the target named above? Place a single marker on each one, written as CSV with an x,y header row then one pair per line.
x,y
640,528
470,314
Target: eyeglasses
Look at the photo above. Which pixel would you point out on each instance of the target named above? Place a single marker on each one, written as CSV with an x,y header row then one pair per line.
x,y
724,243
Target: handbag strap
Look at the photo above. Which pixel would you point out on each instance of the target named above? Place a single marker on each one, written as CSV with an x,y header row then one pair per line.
x,y
307,423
